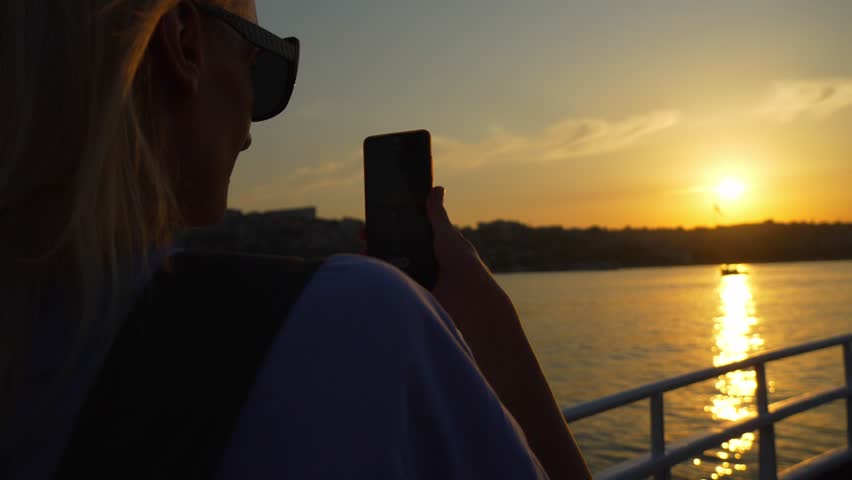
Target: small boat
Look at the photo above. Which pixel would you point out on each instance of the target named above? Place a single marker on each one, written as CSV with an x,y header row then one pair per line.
x,y
733,269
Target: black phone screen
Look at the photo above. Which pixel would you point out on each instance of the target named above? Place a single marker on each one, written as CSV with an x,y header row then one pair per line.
x,y
397,179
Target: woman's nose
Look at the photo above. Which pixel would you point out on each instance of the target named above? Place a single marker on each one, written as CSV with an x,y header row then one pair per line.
x,y
247,144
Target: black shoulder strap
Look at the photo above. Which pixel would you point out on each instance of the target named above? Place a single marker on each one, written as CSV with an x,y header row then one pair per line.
x,y
169,395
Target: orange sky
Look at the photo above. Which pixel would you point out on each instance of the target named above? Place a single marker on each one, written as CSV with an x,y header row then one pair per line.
x,y
569,113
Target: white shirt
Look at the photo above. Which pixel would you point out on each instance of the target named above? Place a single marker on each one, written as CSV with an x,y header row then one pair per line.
x,y
370,379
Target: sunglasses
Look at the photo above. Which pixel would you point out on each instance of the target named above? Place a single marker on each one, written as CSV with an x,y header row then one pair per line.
x,y
276,64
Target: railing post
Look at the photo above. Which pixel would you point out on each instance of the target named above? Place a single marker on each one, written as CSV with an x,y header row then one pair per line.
x,y
658,433
768,468
847,364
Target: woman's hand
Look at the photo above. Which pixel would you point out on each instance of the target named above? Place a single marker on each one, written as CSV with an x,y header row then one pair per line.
x,y
465,287
487,319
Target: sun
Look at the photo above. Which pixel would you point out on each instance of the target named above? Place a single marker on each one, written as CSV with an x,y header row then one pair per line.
x,y
730,189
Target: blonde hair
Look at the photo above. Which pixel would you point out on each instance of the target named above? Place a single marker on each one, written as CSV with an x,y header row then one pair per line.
x,y
84,193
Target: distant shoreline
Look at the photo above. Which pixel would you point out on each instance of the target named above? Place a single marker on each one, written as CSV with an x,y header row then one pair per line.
x,y
512,247
641,267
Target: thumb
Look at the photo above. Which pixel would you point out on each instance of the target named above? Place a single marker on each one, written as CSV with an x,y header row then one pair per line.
x,y
435,210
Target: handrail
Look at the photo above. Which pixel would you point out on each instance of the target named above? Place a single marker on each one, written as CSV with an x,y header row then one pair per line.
x,y
685,449
661,459
831,460
594,407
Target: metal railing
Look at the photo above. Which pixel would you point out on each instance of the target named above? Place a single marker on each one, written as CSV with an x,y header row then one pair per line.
x,y
663,457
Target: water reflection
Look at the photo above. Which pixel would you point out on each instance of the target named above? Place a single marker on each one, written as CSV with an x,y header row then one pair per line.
x,y
735,341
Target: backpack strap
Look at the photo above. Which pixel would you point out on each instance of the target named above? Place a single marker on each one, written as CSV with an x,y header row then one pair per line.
x,y
170,393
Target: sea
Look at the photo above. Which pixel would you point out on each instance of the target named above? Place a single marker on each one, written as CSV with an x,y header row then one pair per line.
x,y
597,333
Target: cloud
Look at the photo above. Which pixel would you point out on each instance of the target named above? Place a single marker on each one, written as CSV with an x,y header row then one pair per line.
x,y
328,174
322,170
792,100
572,138
293,187
567,139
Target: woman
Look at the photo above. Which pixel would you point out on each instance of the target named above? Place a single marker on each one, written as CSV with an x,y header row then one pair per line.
x,y
122,122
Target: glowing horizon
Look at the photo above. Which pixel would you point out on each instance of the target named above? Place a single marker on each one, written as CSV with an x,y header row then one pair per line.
x,y
587,114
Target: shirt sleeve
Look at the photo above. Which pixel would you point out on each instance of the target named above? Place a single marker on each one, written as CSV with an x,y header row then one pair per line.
x,y
369,378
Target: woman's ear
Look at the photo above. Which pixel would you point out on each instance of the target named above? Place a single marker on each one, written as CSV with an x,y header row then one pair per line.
x,y
178,41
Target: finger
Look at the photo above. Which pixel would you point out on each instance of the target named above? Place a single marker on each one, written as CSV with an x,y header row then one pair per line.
x,y
437,213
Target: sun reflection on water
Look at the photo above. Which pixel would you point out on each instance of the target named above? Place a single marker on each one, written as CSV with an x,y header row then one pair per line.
x,y
735,341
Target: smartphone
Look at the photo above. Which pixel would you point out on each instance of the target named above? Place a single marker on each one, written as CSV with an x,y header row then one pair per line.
x,y
397,179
